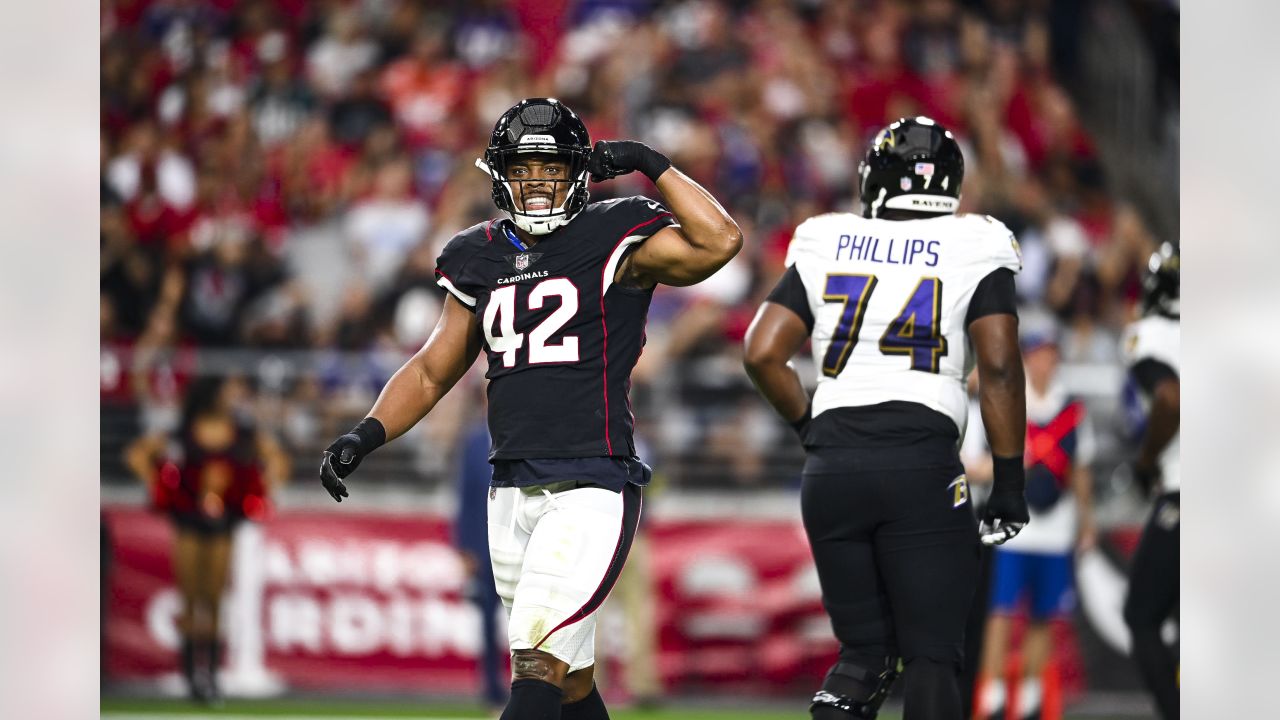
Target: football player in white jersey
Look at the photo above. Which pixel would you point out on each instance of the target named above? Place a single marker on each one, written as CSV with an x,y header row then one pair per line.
x,y
900,302
1151,352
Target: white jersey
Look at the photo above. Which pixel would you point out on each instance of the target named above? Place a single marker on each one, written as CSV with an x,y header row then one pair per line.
x,y
889,300
1158,338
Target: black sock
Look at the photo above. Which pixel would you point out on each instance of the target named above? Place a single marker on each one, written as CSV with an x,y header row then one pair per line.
x,y
188,654
533,700
590,707
214,650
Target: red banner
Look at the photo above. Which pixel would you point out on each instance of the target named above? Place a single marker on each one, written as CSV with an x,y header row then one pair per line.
x,y
316,600
732,590
368,602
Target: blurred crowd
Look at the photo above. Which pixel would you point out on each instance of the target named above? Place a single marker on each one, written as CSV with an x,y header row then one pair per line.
x,y
282,174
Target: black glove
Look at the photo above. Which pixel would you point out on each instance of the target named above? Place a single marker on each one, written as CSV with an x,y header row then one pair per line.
x,y
343,456
1006,512
612,158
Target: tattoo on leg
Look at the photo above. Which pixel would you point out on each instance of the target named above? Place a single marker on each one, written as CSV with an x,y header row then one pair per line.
x,y
530,665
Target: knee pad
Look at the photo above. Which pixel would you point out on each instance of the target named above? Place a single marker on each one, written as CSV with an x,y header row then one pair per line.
x,y
855,689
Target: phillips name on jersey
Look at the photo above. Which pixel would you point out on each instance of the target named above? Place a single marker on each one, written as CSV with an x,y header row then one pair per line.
x,y
561,337
889,303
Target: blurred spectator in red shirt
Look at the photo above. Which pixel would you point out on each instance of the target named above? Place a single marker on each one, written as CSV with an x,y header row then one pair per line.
x,y
425,88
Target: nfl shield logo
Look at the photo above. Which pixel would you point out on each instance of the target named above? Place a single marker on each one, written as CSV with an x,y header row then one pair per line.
x,y
522,261
905,184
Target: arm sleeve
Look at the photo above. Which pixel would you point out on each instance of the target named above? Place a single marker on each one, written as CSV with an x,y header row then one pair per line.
x,y
1149,373
995,295
790,293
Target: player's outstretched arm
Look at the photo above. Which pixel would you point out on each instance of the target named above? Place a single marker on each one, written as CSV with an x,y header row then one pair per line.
x,y
775,336
706,238
1002,389
410,394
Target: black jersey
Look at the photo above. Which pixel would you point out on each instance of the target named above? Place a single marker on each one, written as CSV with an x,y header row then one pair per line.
x,y
560,335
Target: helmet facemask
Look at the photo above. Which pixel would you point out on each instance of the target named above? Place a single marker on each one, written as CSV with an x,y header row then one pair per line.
x,y
497,163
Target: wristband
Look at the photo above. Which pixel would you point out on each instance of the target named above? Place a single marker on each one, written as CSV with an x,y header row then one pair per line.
x,y
1008,472
371,433
652,163
803,422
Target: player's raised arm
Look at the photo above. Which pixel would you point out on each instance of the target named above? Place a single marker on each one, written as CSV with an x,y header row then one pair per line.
x,y
410,394
706,237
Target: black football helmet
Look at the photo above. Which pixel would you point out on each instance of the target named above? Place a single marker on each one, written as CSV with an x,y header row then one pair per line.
x,y
538,125
1161,283
914,165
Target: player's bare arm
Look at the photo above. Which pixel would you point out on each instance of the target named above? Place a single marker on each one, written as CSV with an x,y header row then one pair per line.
x,y
420,383
704,241
410,394
1002,386
1162,423
1002,389
775,336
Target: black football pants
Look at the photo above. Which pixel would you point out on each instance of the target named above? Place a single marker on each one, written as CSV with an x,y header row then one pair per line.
x,y
897,556
1153,596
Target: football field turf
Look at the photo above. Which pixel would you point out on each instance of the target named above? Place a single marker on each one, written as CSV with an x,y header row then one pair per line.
x,y
131,709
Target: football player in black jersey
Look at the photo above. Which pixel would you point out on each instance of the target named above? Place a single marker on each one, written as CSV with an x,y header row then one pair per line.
x,y
556,292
